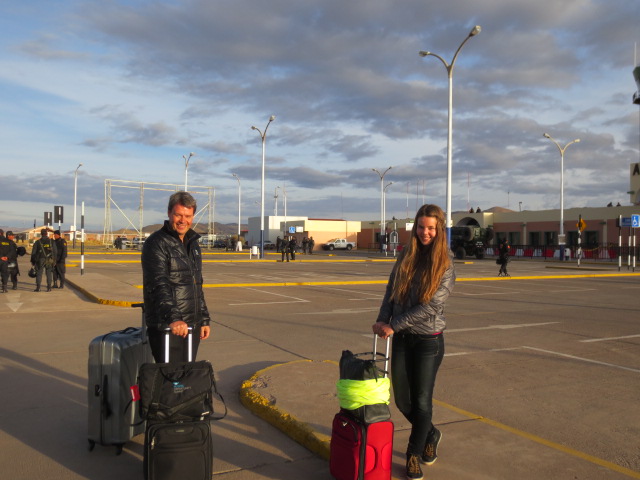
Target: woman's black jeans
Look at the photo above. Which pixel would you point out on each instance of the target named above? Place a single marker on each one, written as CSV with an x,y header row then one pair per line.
x,y
414,365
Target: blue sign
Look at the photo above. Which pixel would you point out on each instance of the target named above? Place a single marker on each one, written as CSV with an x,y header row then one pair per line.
x,y
635,221
292,229
626,222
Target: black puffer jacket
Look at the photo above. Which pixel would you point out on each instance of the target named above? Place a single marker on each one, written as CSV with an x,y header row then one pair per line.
x,y
172,278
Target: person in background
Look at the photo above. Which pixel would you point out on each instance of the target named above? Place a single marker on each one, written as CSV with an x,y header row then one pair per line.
x,y
15,252
43,258
311,244
412,311
284,248
172,283
60,270
503,257
293,246
5,252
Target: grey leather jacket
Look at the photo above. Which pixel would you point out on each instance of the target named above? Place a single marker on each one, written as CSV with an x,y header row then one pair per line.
x,y
414,316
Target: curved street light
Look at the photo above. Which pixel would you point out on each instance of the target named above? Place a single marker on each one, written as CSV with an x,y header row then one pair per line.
x,y
263,136
75,196
186,166
381,175
449,66
239,203
561,241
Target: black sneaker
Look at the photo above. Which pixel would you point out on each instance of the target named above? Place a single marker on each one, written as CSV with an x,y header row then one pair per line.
x,y
414,472
431,449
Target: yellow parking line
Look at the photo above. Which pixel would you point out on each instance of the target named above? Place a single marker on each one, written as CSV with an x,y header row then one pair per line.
x,y
543,441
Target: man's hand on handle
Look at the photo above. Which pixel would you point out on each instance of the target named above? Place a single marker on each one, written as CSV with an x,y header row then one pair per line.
x,y
181,329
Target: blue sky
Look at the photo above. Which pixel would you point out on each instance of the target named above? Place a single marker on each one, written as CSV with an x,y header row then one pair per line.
x,y
128,87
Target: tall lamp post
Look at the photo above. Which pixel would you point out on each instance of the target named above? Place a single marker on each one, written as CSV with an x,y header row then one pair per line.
x,y
561,241
449,66
186,167
384,205
381,175
75,198
263,136
239,203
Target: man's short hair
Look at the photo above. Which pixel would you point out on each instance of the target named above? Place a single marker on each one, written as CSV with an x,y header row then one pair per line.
x,y
57,232
9,233
182,198
44,231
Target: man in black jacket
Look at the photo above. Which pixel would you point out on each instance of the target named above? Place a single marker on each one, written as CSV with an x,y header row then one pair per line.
x,y
60,271
43,258
5,252
172,283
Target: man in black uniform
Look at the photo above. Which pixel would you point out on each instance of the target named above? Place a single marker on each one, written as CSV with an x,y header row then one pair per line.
x,y
60,269
172,283
43,258
5,251
15,251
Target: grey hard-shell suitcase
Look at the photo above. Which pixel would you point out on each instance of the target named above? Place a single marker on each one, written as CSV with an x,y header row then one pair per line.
x,y
114,361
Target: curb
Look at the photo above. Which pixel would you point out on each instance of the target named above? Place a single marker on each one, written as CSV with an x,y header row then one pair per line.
x,y
94,299
282,420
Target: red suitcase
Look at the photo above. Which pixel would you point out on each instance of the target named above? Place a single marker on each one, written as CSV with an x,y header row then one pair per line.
x,y
358,450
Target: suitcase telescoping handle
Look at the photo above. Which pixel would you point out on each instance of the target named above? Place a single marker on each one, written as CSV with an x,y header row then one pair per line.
x,y
386,354
143,328
189,343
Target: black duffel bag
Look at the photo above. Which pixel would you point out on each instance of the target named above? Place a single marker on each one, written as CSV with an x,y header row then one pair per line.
x,y
172,392
364,366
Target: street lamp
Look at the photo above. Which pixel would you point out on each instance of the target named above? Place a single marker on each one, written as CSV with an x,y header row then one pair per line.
x,y
561,241
381,175
186,166
384,205
239,203
449,66
75,197
263,136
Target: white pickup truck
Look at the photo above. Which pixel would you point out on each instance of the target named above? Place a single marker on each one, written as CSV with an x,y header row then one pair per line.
x,y
338,244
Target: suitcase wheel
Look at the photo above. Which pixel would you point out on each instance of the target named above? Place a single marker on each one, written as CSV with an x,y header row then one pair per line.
x,y
92,445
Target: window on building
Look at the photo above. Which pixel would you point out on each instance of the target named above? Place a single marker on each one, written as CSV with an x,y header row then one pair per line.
x,y
550,238
534,239
514,238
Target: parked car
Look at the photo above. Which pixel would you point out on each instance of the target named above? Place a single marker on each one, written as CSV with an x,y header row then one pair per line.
x,y
338,243
137,242
269,245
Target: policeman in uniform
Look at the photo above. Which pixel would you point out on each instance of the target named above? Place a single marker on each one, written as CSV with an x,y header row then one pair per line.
x,y
15,251
60,269
5,251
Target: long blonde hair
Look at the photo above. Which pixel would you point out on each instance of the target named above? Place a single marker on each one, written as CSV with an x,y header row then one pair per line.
x,y
431,260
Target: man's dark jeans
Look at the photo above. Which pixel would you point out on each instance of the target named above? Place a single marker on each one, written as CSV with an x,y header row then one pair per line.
x,y
414,365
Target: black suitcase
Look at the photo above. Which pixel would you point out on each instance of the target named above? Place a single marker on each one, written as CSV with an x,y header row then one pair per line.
x,y
177,403
181,450
114,361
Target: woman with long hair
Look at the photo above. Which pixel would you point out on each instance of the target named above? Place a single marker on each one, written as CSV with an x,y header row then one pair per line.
x,y
412,311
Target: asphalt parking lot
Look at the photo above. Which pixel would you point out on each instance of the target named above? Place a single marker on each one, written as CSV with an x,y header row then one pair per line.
x,y
540,377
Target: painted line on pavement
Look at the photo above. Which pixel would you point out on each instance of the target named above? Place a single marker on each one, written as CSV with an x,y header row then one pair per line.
x,y
609,338
384,282
543,441
587,360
